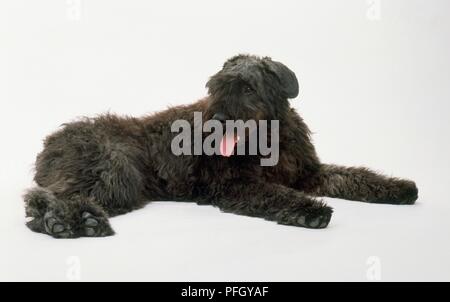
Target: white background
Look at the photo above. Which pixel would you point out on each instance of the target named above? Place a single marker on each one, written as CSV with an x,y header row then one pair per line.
x,y
374,90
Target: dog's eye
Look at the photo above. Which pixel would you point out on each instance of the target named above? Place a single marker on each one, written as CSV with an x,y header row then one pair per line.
x,y
248,90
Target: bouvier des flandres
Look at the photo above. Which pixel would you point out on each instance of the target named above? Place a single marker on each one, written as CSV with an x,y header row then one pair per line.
x,y
100,167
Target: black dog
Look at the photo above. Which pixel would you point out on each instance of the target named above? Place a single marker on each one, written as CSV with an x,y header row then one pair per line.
x,y
97,168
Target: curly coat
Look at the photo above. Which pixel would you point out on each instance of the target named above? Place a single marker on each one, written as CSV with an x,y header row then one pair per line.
x,y
100,167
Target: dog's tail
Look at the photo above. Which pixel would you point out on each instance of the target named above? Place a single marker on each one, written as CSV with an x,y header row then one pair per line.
x,y
37,201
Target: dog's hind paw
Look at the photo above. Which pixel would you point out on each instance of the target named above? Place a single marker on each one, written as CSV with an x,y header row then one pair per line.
x,y
56,227
95,226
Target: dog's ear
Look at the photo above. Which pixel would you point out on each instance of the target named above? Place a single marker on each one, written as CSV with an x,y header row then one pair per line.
x,y
287,78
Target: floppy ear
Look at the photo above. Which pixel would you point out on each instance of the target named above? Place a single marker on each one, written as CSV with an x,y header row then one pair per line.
x,y
288,80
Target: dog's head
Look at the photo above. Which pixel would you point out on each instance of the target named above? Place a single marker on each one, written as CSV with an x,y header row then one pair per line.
x,y
251,88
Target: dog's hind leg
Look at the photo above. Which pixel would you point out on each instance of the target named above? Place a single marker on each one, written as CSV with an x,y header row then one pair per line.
x,y
65,217
37,201
272,202
362,184
80,190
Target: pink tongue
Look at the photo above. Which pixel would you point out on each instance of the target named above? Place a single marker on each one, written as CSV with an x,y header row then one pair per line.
x,y
227,144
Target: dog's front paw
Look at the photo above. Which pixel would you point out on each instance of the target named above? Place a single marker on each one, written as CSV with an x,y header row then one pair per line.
x,y
407,192
314,217
315,221
317,218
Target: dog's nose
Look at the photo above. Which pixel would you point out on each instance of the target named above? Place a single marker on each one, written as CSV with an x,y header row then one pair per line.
x,y
219,117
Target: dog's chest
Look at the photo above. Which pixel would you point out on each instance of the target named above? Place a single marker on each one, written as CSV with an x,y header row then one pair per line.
x,y
286,171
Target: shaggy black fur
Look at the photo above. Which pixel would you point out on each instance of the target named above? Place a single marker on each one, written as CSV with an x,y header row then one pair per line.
x,y
97,168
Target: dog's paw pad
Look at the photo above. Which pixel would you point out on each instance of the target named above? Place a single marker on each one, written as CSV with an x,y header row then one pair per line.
x,y
301,221
314,223
55,226
90,232
58,228
317,221
314,217
91,222
325,223
94,226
